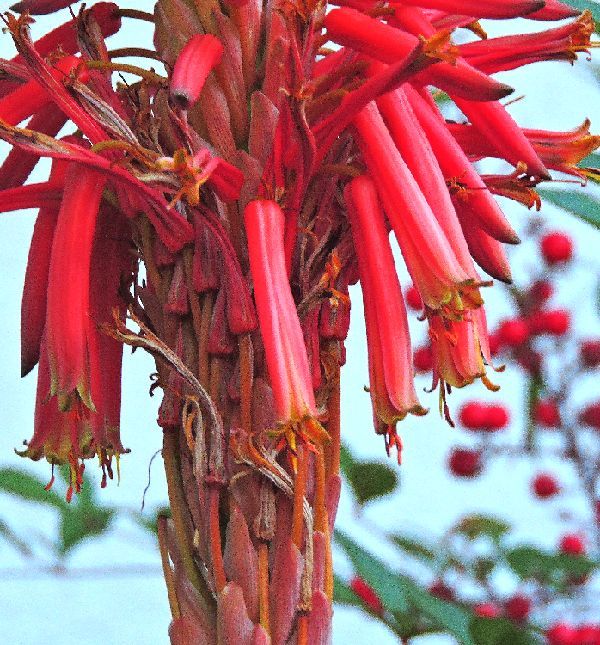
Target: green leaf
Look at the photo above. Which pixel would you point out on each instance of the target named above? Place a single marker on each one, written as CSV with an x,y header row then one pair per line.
x,y
83,519
554,569
578,203
443,614
401,595
384,581
149,522
28,487
474,526
371,479
12,538
499,631
368,479
343,594
414,548
346,460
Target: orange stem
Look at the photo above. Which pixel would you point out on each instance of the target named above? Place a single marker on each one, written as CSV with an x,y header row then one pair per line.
x,y
246,377
263,585
299,490
333,428
215,540
302,630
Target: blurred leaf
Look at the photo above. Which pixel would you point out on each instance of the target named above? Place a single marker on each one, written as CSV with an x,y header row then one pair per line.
x,y
499,631
474,526
371,479
343,594
529,562
582,5
374,572
12,538
368,479
483,567
578,203
83,519
414,548
149,521
21,484
401,595
443,614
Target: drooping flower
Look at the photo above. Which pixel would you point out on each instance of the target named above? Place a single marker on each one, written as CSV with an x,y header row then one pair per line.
x,y
390,357
285,351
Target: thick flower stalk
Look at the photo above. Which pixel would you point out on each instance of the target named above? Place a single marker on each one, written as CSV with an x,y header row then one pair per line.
x,y
256,182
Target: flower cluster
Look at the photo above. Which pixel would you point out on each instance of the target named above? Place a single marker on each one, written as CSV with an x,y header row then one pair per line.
x,y
256,182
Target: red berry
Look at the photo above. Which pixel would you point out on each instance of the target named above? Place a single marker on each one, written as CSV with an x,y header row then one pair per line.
x,y
545,486
561,634
513,332
367,594
487,610
588,635
589,353
483,417
464,462
473,415
590,416
440,589
556,322
423,359
497,417
546,414
540,291
413,299
518,607
572,544
556,247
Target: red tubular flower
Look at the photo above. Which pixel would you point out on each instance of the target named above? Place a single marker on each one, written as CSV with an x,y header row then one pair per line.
x,y
416,151
64,37
485,9
193,65
509,52
31,97
40,7
285,351
390,45
459,172
430,259
390,358
67,317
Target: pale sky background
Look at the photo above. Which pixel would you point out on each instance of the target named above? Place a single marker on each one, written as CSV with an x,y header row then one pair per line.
x,y
121,609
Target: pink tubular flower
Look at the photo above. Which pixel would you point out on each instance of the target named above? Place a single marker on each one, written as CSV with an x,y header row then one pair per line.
x,y
460,350
431,261
193,65
285,351
390,358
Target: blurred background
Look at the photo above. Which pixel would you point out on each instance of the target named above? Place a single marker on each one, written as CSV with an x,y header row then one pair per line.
x,y
498,516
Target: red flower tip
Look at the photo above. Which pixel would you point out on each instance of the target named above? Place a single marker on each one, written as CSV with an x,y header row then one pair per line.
x,y
200,55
